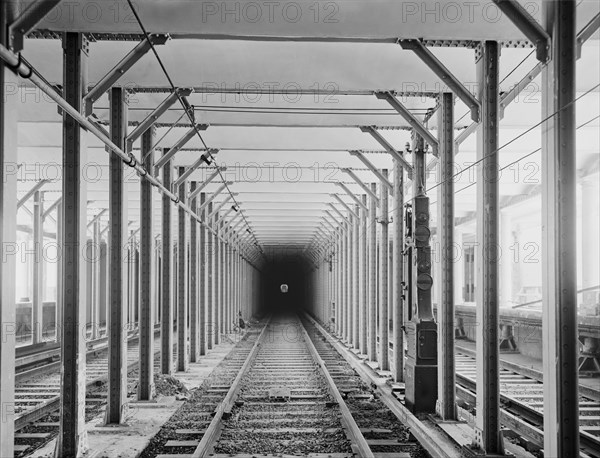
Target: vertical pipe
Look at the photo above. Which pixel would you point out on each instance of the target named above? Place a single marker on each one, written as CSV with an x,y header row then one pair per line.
x,y
71,437
147,280
488,435
446,407
398,303
210,279
203,273
193,282
182,279
559,278
9,109
383,277
166,321
97,281
372,343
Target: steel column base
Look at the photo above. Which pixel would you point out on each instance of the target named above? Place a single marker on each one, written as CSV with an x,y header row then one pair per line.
x,y
421,367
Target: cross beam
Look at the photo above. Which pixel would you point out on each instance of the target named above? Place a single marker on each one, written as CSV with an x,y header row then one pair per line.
x,y
351,194
388,147
344,204
410,119
120,69
444,74
361,184
373,169
180,144
200,187
185,175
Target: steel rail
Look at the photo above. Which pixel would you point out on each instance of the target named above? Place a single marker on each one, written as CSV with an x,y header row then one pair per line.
x,y
223,410
352,429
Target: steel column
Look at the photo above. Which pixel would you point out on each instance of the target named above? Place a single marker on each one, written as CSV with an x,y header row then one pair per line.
x,y
193,286
72,438
166,320
559,284
383,277
398,273
218,258
182,280
117,208
202,274
38,268
97,278
147,266
372,341
488,435
364,272
356,280
446,406
210,280
9,109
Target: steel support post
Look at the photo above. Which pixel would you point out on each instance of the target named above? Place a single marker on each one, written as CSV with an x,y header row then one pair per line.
x,y
97,278
9,109
383,277
398,273
356,281
166,305
210,282
488,435
559,237
194,280
217,284
147,266
59,274
72,437
117,209
38,268
338,284
344,334
372,341
202,274
222,282
446,405
182,282
349,278
364,275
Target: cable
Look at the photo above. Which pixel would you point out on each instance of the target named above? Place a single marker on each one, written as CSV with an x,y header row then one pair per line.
x,y
186,107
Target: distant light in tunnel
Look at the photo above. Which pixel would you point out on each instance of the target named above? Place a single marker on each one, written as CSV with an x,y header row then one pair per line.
x,y
284,288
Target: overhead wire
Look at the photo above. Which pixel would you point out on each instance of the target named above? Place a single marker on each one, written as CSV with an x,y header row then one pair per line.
x,y
187,108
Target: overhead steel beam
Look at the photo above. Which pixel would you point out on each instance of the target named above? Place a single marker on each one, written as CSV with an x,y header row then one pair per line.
x,y
335,209
191,169
373,169
153,117
361,184
388,147
352,195
179,144
39,185
528,25
120,69
445,75
27,21
410,119
202,185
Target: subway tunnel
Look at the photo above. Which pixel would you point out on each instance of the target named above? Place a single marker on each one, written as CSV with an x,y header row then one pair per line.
x,y
300,229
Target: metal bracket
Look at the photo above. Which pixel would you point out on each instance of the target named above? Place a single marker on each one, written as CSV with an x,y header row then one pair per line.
x,y
442,72
200,187
528,25
180,144
39,185
373,169
344,204
351,194
120,69
361,184
185,175
389,148
156,114
410,119
221,205
27,21
585,33
213,195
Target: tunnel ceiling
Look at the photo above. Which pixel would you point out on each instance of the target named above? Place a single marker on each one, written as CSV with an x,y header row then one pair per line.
x,y
283,100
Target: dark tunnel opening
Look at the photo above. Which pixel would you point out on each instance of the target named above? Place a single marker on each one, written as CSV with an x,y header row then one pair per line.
x,y
281,273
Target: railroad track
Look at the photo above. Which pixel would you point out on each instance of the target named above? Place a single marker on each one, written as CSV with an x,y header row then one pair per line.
x,y
522,399
37,397
285,392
